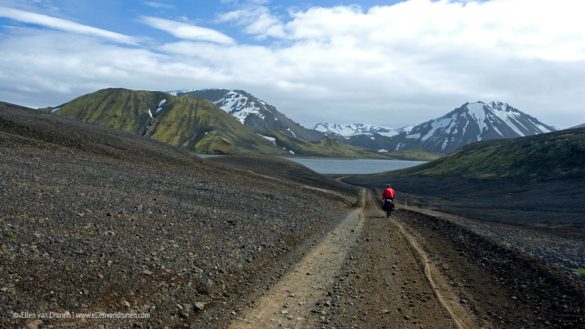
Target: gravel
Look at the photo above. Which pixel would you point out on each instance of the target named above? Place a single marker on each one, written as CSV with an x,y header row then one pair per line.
x,y
93,220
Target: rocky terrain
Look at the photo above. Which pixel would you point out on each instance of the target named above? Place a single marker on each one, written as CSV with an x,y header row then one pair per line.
x,y
505,287
561,248
96,221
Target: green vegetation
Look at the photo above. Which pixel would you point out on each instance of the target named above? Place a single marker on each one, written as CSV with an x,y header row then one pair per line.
x,y
580,271
33,185
325,147
121,109
184,121
419,155
200,126
10,236
536,158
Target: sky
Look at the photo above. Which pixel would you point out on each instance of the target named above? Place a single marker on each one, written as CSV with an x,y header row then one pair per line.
x,y
389,63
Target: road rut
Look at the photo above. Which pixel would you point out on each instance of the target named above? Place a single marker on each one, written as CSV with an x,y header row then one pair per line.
x,y
289,303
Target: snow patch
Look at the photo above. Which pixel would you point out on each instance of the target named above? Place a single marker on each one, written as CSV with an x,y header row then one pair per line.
x,y
269,138
160,106
477,111
150,113
509,118
292,132
55,109
443,123
382,151
445,143
239,106
406,129
354,129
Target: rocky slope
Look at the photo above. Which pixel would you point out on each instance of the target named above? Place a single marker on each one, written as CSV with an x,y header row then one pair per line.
x,y
254,113
94,219
189,122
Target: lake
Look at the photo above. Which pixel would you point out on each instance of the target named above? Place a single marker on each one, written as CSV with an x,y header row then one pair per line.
x,y
346,166
353,166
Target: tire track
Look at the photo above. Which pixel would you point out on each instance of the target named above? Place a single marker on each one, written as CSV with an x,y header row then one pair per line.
x,y
446,296
288,304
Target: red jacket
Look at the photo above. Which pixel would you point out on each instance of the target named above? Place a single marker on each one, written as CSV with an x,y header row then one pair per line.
x,y
388,193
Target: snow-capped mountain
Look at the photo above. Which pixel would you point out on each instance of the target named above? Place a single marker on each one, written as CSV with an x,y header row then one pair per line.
x,y
353,129
253,112
469,123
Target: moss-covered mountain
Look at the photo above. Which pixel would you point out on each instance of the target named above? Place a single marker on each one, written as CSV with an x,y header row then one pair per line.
x,y
254,113
184,121
557,155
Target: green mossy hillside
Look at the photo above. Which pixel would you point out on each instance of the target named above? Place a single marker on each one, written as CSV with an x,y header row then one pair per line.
x,y
188,122
557,155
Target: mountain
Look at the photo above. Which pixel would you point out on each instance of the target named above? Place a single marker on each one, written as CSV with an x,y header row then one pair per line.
x,y
472,122
254,113
183,121
355,129
579,126
368,136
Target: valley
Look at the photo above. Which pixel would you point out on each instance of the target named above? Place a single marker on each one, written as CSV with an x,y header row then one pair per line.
x,y
98,220
323,164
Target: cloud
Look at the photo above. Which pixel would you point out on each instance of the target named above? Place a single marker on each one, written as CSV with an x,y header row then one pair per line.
x,y
72,65
63,25
256,20
158,5
391,65
187,31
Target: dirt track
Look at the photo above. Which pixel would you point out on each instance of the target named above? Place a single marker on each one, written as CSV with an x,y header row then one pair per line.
x,y
400,273
390,290
289,303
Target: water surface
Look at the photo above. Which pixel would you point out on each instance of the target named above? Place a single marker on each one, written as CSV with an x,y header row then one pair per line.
x,y
353,166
